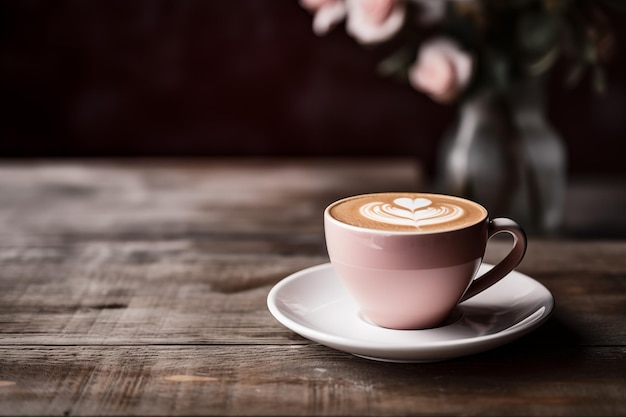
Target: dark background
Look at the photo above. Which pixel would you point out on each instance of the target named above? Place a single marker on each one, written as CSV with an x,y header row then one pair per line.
x,y
241,77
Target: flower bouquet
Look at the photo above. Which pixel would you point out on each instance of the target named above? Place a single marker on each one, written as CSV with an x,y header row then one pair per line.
x,y
490,57
449,49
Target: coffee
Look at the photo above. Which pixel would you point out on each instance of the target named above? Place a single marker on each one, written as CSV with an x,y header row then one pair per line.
x,y
408,212
408,258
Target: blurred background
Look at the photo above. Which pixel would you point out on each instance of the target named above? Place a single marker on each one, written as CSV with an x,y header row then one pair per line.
x,y
102,78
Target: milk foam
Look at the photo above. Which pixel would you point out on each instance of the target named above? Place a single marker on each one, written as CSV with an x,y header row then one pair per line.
x,y
407,212
416,212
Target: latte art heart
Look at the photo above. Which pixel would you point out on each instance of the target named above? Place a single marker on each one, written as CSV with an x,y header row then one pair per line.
x,y
407,212
416,212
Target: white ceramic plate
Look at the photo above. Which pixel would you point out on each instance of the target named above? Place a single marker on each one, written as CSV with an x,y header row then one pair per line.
x,y
314,304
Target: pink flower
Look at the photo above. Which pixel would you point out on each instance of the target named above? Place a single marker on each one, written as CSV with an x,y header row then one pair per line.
x,y
371,21
376,11
442,70
327,13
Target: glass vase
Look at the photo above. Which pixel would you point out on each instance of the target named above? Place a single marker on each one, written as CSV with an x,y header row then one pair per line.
x,y
503,153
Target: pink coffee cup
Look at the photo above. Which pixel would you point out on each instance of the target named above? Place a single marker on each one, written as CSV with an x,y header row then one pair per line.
x,y
413,278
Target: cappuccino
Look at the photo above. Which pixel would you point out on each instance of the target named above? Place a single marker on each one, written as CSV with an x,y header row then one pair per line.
x,y
408,212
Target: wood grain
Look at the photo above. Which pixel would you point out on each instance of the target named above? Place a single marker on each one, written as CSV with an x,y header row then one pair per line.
x,y
183,294
306,380
139,288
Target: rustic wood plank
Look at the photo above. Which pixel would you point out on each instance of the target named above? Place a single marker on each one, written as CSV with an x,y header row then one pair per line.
x,y
588,281
181,199
306,380
181,292
139,287
153,251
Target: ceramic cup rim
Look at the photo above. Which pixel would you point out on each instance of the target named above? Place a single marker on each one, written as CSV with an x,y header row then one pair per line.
x,y
361,229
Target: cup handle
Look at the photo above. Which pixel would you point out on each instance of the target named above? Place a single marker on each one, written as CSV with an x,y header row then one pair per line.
x,y
506,265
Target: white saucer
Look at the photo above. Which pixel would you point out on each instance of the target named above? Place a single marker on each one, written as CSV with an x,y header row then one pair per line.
x,y
314,304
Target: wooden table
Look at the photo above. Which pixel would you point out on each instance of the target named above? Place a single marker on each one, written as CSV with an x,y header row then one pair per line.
x,y
139,288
